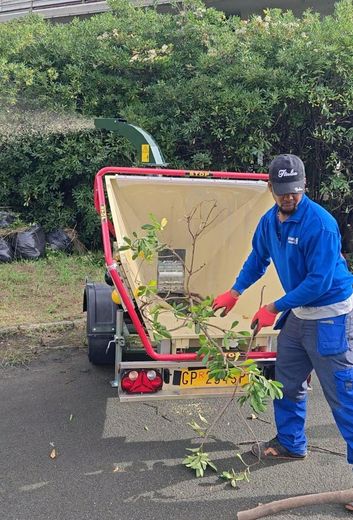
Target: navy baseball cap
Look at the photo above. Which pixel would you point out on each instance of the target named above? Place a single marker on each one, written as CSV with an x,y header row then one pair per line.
x,y
287,174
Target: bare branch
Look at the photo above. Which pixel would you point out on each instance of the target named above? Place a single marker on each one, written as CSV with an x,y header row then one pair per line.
x,y
218,417
272,508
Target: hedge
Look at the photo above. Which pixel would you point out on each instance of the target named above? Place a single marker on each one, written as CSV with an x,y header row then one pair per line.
x,y
48,179
215,92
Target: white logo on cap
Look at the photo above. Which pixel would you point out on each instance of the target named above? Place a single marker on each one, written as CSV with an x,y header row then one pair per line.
x,y
284,173
298,189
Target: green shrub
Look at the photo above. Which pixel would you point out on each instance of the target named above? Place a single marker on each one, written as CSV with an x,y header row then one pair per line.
x,y
215,92
49,178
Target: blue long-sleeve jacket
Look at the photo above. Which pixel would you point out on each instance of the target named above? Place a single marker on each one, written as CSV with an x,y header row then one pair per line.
x,y
306,252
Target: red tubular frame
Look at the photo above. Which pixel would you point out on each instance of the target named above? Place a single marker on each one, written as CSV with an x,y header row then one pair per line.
x,y
107,228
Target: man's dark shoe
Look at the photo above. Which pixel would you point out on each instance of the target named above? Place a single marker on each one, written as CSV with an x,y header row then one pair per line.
x,y
274,450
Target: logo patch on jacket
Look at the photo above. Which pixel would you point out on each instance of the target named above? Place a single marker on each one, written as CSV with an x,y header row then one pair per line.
x,y
293,240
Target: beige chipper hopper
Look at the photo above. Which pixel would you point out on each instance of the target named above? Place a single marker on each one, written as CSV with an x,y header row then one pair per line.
x,y
229,207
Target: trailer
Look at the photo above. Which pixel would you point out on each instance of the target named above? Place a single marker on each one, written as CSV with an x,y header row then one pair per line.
x,y
119,332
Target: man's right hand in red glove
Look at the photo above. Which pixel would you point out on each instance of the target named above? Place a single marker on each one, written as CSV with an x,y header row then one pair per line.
x,y
225,301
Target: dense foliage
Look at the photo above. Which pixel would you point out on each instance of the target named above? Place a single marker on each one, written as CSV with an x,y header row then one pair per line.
x,y
215,92
49,178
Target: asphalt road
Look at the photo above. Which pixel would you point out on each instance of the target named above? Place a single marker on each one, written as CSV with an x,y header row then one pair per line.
x,y
123,461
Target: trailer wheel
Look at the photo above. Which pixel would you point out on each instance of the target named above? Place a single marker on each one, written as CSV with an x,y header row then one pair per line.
x,y
268,370
101,315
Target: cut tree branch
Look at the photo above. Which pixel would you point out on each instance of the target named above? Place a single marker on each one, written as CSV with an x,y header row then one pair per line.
x,y
272,508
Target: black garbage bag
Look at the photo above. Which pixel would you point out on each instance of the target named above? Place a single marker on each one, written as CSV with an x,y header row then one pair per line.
x,y
6,254
6,219
58,240
29,244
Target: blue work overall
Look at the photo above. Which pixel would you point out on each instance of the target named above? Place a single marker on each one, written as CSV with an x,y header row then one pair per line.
x,y
325,345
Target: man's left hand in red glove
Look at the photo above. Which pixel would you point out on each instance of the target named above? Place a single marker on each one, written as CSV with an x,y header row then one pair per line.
x,y
265,317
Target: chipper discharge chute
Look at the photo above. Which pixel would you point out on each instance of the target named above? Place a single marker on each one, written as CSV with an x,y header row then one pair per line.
x,y
226,207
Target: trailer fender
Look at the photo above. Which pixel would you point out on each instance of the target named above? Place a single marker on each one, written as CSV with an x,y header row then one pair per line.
x,y
101,316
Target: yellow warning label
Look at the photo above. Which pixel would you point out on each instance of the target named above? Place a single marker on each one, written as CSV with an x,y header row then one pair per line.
x,y
194,173
103,212
145,153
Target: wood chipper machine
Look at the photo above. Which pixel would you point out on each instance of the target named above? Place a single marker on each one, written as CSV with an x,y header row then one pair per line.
x,y
120,333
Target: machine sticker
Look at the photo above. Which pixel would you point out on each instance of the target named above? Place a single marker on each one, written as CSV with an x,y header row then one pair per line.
x,y
145,153
196,173
103,212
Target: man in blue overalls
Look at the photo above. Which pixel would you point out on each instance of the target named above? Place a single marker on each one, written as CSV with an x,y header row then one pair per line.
x,y
303,241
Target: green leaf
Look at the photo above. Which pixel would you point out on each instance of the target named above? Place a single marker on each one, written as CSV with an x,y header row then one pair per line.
x,y
278,393
272,392
202,418
248,362
165,333
205,359
147,226
241,458
212,465
235,372
201,472
242,400
277,383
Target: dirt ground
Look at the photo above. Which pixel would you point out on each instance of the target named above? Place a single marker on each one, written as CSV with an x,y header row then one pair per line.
x,y
22,346
41,304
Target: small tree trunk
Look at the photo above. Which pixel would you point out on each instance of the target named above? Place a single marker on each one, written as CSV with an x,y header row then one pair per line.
x,y
338,497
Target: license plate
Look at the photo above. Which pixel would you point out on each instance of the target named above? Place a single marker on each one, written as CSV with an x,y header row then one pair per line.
x,y
193,378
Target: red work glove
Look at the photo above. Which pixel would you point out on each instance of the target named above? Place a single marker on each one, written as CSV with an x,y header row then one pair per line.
x,y
263,318
225,301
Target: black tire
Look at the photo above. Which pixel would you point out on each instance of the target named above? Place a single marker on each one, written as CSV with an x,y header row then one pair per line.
x,y
101,316
97,351
268,370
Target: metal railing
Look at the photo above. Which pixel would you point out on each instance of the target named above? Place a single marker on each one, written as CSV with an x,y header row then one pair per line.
x,y
10,9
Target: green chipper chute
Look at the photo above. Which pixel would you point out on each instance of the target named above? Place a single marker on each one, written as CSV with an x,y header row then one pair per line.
x,y
147,150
